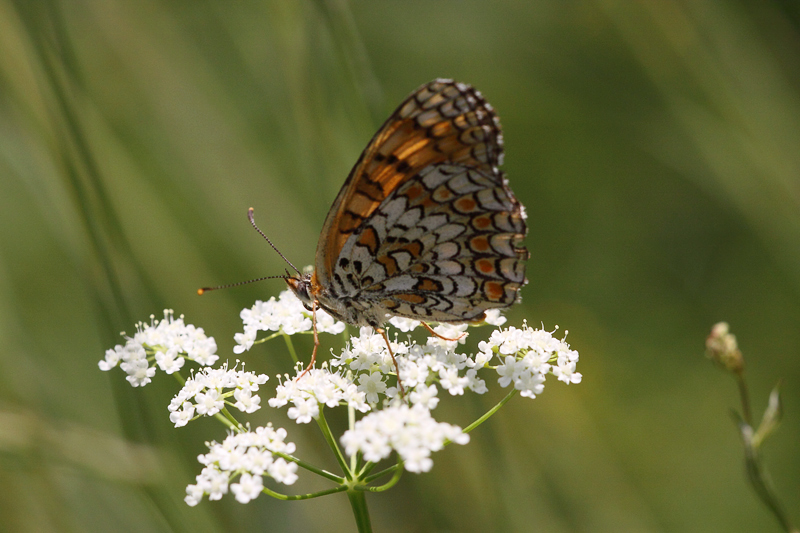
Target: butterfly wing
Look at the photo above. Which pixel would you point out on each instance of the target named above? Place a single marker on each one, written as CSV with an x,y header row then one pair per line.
x,y
426,226
442,121
444,247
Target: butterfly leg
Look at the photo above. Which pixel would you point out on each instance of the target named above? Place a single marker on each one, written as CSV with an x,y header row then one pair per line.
x,y
430,330
316,339
396,368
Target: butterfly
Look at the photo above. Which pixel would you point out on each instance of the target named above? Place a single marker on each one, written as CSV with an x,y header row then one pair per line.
x,y
425,226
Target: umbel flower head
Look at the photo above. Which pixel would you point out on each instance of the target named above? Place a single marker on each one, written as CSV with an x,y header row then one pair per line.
x,y
286,314
360,378
309,391
410,431
248,455
164,342
204,393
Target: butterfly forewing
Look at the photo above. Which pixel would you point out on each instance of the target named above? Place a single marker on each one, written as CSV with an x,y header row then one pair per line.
x,y
442,121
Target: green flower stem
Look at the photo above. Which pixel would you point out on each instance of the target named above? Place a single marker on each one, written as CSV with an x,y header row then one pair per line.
x,y
759,480
279,496
290,346
746,413
397,469
232,422
366,469
358,502
490,412
179,378
221,418
351,423
269,338
311,468
389,484
326,432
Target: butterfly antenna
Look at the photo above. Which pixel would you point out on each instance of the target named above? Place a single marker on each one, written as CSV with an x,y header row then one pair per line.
x,y
253,222
206,289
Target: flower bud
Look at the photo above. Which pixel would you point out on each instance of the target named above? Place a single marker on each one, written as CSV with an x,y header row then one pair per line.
x,y
721,347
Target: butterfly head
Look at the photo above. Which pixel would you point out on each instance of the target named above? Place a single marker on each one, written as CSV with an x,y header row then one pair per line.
x,y
309,291
302,287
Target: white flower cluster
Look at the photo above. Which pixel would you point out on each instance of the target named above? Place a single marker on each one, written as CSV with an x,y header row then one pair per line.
x,y
316,387
286,314
367,357
358,377
420,365
410,431
368,352
527,356
249,455
207,389
167,342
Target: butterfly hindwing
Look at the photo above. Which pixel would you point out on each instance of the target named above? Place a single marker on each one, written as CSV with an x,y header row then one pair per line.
x,y
444,247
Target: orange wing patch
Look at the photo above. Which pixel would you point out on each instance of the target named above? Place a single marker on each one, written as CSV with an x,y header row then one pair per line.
x,y
428,284
479,243
493,290
369,239
465,204
389,264
484,266
482,222
410,298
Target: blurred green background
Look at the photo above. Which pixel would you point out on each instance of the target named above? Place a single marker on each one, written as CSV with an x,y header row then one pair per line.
x,y
656,146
